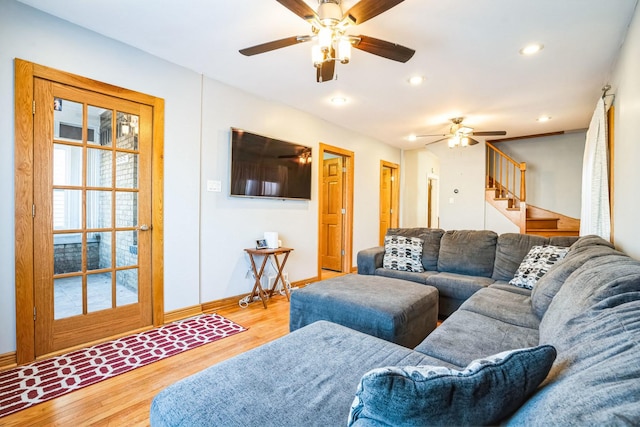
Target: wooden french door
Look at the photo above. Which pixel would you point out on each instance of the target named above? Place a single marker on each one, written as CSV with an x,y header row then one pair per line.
x,y
332,214
92,216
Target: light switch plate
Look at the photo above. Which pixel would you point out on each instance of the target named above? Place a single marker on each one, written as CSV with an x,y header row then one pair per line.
x,y
215,186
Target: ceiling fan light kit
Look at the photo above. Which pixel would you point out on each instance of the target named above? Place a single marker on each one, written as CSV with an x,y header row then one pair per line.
x,y
329,27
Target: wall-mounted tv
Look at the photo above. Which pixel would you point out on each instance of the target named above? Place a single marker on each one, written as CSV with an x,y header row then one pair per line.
x,y
268,167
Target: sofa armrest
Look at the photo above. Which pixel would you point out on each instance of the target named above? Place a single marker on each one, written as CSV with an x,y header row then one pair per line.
x,y
370,259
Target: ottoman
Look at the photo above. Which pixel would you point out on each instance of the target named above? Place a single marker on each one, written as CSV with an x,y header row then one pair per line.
x,y
395,310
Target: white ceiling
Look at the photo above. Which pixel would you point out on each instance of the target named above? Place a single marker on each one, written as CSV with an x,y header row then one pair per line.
x,y
466,49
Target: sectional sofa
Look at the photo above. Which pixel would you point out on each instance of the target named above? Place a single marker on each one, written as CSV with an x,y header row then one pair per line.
x,y
566,352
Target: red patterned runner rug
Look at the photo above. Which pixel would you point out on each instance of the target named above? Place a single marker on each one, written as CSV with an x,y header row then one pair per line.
x,y
40,381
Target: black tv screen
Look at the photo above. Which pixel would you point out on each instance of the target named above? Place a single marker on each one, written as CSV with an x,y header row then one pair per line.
x,y
268,167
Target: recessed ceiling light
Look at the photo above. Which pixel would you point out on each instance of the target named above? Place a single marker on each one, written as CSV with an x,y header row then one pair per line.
x,y
416,80
531,49
412,137
543,119
338,100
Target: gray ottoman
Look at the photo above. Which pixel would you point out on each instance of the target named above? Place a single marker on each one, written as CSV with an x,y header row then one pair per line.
x,y
395,310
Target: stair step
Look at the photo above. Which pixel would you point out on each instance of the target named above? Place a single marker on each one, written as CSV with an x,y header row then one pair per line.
x,y
513,209
542,223
552,232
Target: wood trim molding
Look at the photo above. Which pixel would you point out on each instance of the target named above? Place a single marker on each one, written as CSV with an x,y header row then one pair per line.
x,y
183,313
24,258
8,360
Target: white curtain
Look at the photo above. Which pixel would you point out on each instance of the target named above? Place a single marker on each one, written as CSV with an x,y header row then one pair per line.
x,y
595,217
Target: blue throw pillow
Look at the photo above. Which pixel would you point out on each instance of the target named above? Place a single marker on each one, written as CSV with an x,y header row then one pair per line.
x,y
487,391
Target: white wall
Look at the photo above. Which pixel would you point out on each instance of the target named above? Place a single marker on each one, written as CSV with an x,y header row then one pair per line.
x,y
554,170
204,232
626,86
417,167
461,169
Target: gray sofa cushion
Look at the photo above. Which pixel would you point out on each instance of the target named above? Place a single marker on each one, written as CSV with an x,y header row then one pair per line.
x,y
308,377
511,249
431,243
548,286
484,393
594,323
508,307
405,275
457,286
470,252
466,336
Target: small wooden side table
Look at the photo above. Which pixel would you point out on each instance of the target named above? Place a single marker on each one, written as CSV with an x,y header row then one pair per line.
x,y
257,287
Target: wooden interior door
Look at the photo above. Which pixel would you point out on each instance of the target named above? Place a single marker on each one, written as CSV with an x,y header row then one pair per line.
x,y
388,198
92,216
332,214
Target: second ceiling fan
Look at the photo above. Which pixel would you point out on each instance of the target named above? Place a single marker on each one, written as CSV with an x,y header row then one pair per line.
x,y
329,27
460,135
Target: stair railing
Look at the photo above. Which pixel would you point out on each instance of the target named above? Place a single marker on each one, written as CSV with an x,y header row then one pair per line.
x,y
505,175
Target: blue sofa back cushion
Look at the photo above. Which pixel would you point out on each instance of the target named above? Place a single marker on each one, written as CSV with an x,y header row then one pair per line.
x,y
511,250
470,252
487,391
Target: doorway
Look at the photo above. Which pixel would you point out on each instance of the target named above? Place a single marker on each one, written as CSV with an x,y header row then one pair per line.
x,y
389,203
85,249
335,207
433,216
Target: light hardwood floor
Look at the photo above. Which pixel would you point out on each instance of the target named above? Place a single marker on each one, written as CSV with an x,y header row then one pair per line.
x,y
125,400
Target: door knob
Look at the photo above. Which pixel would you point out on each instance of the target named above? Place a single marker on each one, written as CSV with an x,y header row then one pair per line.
x,y
144,227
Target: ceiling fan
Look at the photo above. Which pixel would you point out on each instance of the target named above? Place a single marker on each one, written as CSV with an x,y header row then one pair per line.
x,y
460,135
329,27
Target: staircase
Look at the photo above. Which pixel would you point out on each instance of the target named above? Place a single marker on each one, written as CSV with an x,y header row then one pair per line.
x,y
505,189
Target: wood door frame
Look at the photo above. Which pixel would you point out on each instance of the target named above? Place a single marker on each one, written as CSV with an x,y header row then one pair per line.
x,y
347,230
395,192
25,73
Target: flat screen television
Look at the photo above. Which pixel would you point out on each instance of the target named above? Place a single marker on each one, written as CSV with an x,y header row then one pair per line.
x,y
268,167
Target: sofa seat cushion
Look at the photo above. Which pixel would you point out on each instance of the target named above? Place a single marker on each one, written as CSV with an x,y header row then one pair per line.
x,y
308,377
511,249
457,286
508,307
466,336
405,275
484,393
469,252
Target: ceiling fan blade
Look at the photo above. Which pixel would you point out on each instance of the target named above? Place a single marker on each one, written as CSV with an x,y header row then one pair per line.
x,y
437,140
473,141
325,72
300,8
489,133
384,49
276,44
437,134
367,9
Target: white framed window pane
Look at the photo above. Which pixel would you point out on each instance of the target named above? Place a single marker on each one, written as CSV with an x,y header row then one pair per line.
x,y
67,165
67,209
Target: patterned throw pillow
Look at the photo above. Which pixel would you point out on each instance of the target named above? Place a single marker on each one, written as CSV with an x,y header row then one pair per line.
x,y
484,393
403,253
536,263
